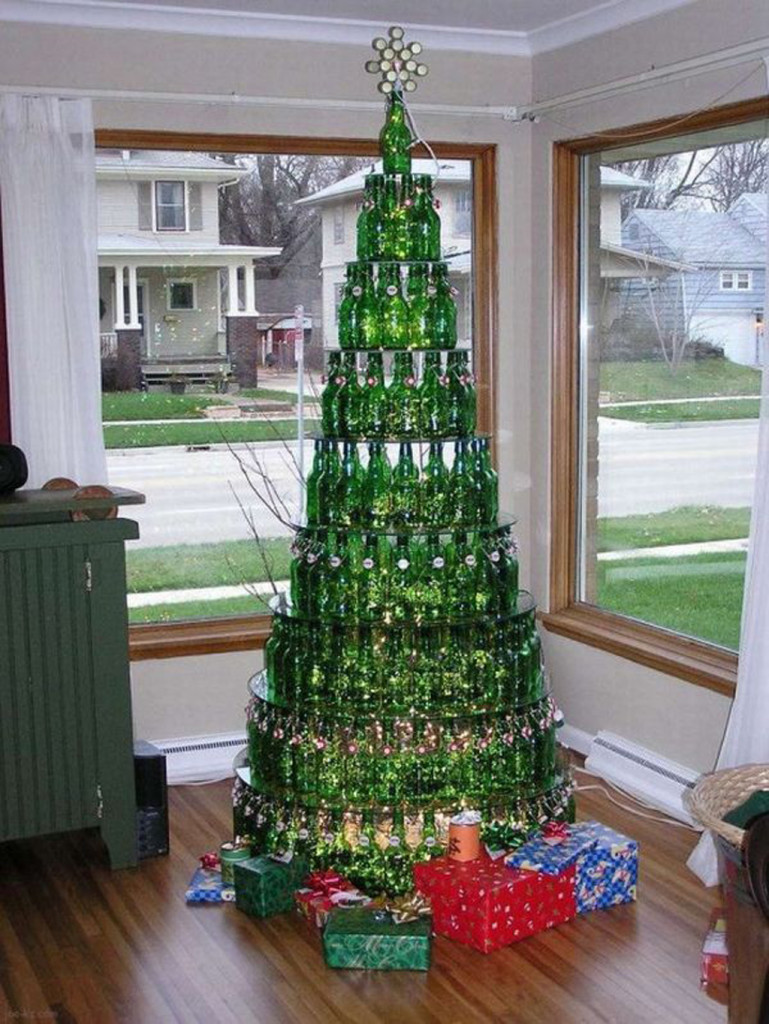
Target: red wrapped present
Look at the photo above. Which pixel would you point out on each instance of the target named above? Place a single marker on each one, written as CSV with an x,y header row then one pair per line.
x,y
484,904
714,963
325,890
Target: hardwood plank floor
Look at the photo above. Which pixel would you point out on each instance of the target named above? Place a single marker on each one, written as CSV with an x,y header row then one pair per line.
x,y
81,945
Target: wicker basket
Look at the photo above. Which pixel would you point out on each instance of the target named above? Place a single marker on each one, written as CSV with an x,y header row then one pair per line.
x,y
716,794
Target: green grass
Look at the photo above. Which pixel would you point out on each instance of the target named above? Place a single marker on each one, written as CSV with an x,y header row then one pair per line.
x,y
268,393
686,412
183,566
689,524
150,435
245,605
153,405
699,595
628,382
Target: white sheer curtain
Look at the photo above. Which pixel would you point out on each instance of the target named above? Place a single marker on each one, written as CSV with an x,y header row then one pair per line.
x,y
48,196
746,740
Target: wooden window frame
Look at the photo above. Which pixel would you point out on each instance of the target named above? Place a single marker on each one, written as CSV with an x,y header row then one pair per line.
x,y
250,632
5,388
677,655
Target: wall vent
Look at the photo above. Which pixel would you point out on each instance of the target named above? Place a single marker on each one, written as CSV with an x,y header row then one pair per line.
x,y
192,759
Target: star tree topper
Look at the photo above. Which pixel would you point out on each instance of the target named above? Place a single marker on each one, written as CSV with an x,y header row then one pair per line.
x,y
395,62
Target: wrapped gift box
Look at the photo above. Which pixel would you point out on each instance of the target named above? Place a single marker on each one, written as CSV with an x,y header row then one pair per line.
x,y
551,856
265,886
207,886
484,904
714,963
370,939
323,891
607,872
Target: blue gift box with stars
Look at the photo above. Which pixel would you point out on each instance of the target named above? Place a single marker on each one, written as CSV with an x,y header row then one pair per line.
x,y
607,871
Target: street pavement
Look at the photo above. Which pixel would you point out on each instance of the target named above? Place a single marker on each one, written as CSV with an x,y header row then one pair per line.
x,y
642,469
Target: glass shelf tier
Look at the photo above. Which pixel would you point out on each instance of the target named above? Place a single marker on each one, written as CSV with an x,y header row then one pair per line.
x,y
504,523
318,435
401,263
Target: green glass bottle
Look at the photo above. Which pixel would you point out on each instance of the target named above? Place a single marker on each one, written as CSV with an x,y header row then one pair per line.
x,y
403,398
312,507
376,503
329,403
397,857
347,315
429,846
462,576
395,138
393,310
372,594
363,227
419,304
485,483
461,486
434,398
298,573
367,333
276,653
365,854
443,309
349,499
425,222
373,419
339,577
350,397
431,584
399,225
462,392
377,220
404,494
328,484
436,500
402,577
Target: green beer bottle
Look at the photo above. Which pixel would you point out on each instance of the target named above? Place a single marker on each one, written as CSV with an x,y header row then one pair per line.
x,y
373,419
329,402
436,498
328,485
298,582
377,220
431,582
349,499
350,397
404,493
425,222
367,332
402,574
397,856
372,593
428,846
363,870
364,218
347,315
399,224
462,576
443,310
462,393
311,483
393,311
419,304
461,486
376,487
395,138
403,398
339,578
485,483
434,398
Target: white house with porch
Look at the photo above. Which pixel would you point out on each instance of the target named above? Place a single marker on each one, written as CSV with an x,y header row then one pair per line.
x,y
169,290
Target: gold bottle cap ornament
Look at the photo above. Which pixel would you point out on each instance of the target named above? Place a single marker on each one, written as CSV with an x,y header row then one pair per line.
x,y
395,62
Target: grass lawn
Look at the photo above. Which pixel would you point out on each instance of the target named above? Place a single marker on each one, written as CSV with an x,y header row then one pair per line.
x,y
628,382
268,393
150,435
246,605
686,412
182,566
699,595
689,524
153,405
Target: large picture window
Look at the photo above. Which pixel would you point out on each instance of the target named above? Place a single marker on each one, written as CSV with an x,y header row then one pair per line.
x,y
663,263
214,431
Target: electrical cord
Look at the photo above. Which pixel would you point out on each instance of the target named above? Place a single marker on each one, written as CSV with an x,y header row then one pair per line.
x,y
665,820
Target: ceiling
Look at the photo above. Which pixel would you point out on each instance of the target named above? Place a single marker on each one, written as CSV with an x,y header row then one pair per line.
x,y
493,26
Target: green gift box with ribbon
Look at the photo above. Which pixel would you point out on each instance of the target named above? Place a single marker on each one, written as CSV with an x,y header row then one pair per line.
x,y
371,939
265,886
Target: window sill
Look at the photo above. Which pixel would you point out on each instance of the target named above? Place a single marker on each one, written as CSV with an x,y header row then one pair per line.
x,y
703,664
206,636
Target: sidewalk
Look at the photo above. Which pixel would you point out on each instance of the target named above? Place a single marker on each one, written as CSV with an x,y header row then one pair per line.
x,y
676,550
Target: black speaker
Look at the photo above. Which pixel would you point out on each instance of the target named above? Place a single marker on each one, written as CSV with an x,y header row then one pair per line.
x,y
13,468
151,800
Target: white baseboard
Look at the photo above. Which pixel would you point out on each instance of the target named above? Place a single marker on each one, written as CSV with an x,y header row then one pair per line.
x,y
575,739
191,759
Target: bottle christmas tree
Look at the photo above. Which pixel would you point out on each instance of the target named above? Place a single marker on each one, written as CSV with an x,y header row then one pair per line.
x,y
404,678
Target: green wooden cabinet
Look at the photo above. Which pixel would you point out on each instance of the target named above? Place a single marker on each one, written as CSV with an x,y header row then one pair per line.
x,y
66,743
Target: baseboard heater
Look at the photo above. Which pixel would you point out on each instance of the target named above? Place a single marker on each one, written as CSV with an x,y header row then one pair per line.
x,y
200,758
636,770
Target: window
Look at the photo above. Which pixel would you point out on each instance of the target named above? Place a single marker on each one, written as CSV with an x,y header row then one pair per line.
x,y
650,524
338,225
736,280
170,207
181,294
197,582
463,212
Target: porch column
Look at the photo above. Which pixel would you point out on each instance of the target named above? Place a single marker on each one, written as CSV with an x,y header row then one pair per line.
x,y
233,301
119,300
250,289
133,299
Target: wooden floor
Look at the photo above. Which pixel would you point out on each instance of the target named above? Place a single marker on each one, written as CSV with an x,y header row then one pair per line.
x,y
80,944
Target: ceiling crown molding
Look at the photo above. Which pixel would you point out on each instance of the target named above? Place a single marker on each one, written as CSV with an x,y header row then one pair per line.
x,y
602,18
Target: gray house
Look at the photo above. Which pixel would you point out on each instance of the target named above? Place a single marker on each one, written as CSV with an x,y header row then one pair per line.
x,y
172,297
720,296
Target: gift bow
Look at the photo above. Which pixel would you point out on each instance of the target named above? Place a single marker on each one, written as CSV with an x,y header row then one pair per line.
x,y
555,832
326,883
211,862
409,908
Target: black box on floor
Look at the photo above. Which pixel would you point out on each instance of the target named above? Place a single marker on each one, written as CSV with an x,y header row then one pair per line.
x,y
151,800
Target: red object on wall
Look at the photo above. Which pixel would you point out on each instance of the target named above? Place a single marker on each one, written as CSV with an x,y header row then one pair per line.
x,y
5,395
484,904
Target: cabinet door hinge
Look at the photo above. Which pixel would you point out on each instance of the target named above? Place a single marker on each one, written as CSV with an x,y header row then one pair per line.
x,y
99,803
88,576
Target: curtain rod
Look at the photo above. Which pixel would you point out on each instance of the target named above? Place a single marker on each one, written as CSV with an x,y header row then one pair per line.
x,y
730,56
236,99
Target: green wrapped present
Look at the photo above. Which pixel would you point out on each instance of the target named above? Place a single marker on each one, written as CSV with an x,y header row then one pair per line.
x,y
359,937
265,886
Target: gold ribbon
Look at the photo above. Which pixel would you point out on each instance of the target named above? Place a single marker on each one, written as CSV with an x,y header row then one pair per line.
x,y
409,908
